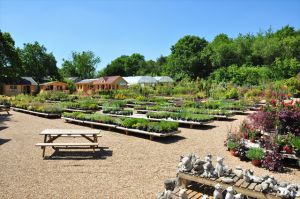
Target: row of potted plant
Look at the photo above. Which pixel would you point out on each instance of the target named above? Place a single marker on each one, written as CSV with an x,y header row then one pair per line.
x,y
180,116
82,105
41,107
135,123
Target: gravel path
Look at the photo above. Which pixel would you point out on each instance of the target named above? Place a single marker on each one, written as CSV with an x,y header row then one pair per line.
x,y
130,166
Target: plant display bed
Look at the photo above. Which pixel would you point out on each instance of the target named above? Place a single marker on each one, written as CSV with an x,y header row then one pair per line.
x,y
239,185
52,115
126,130
182,122
79,110
190,123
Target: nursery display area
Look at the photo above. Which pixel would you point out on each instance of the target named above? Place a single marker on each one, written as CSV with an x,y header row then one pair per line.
x,y
256,128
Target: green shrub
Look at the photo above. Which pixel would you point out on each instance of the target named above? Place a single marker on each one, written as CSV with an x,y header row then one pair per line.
x,y
231,145
255,153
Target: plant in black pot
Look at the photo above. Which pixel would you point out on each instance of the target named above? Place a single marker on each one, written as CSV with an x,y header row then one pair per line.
x,y
242,151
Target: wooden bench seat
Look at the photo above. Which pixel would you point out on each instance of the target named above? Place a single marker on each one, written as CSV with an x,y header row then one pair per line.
x,y
67,144
77,135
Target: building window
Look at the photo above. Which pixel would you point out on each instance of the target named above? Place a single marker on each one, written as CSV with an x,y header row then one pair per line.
x,y
13,87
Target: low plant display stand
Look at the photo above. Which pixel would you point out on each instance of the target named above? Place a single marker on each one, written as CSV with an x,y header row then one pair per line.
x,y
126,130
239,185
52,115
52,134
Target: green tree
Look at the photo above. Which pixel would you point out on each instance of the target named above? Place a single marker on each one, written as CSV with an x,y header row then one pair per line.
x,y
126,65
10,62
185,58
81,65
37,63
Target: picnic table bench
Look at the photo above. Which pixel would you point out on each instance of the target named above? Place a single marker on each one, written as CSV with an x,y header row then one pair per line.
x,y
52,134
4,109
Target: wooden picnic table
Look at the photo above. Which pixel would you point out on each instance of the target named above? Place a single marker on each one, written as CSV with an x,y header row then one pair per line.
x,y
52,134
5,109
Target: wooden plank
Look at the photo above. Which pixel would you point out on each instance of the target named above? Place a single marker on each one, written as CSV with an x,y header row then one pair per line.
x,y
252,185
257,188
67,144
70,132
245,184
235,179
239,183
198,195
192,194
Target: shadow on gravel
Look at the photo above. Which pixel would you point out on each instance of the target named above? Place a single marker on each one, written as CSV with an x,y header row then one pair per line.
x,y
169,140
226,119
4,117
3,141
3,127
101,154
205,127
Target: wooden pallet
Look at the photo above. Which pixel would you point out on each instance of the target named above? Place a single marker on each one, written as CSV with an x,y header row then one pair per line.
x,y
239,185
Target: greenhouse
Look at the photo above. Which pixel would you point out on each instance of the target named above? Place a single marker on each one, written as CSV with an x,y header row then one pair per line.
x,y
164,79
142,80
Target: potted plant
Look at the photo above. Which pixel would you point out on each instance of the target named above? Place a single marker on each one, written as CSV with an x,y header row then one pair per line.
x,y
295,142
232,146
255,155
252,135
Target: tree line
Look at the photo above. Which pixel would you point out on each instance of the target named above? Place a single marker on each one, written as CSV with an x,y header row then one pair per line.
x,y
247,59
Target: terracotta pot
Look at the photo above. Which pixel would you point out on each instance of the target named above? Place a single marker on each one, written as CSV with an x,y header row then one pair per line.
x,y
252,140
233,152
256,162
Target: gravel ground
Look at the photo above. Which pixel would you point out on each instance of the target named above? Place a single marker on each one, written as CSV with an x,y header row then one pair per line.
x,y
129,166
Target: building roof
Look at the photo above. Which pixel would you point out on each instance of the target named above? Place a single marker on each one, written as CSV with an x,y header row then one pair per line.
x,y
140,80
74,79
107,80
21,81
53,82
86,81
164,79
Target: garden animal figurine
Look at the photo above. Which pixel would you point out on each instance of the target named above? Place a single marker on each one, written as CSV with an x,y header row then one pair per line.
x,y
209,170
182,194
229,193
218,192
169,187
205,196
185,164
269,184
220,168
198,166
227,180
238,196
238,171
288,192
249,177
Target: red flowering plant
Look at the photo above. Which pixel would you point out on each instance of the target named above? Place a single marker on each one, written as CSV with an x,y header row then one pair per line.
x,y
289,121
264,120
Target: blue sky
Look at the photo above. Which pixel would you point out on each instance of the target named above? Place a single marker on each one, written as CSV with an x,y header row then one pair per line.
x,y
111,28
